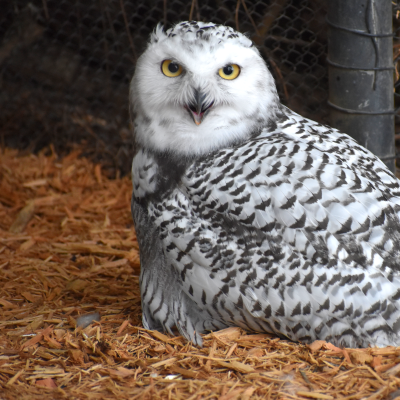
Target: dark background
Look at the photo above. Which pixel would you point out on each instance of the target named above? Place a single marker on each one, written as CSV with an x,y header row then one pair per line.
x,y
65,66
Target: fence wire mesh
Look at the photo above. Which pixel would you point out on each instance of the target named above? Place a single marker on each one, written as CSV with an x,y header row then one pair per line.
x,y
65,65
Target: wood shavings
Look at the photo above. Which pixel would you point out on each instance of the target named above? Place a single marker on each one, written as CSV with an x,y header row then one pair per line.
x,y
48,382
77,255
22,218
122,327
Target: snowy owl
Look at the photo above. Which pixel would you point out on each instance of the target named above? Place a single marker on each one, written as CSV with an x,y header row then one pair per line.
x,y
248,214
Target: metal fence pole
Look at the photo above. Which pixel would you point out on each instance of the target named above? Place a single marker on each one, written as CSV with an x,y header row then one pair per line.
x,y
360,58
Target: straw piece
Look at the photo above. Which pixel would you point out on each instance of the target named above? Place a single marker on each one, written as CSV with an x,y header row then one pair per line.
x,y
237,366
15,377
314,395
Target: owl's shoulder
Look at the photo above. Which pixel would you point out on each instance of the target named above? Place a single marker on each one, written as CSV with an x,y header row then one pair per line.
x,y
298,142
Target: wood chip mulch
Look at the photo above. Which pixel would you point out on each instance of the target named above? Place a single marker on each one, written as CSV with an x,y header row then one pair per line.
x,y
70,317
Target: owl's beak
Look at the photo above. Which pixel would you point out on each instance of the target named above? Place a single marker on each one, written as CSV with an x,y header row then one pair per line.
x,y
199,108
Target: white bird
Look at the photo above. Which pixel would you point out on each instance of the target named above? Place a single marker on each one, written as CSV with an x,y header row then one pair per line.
x,y
248,214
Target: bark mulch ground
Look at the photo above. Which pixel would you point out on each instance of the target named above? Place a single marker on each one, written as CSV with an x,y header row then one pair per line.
x,y
70,317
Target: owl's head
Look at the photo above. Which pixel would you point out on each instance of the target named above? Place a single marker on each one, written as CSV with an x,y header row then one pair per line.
x,y
199,87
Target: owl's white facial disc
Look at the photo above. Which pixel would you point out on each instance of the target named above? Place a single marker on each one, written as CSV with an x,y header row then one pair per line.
x,y
233,109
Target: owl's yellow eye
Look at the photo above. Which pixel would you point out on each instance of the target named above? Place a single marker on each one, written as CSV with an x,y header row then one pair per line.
x,y
171,68
230,71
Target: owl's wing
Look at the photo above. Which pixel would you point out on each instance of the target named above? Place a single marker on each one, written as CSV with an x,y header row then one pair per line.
x,y
322,207
164,304
285,229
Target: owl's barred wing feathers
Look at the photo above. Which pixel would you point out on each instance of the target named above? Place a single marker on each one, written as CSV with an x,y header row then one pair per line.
x,y
248,214
283,235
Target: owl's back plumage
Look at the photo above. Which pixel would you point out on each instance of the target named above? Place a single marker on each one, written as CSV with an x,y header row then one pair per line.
x,y
256,217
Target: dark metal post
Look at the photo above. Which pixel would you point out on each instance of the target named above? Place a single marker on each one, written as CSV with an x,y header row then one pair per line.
x,y
360,59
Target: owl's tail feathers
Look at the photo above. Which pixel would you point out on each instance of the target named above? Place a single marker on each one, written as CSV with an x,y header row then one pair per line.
x,y
191,320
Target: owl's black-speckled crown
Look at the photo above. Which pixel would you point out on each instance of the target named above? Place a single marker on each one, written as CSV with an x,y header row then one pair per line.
x,y
194,30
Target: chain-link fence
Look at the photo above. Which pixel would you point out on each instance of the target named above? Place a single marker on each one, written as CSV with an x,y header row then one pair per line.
x,y
65,65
